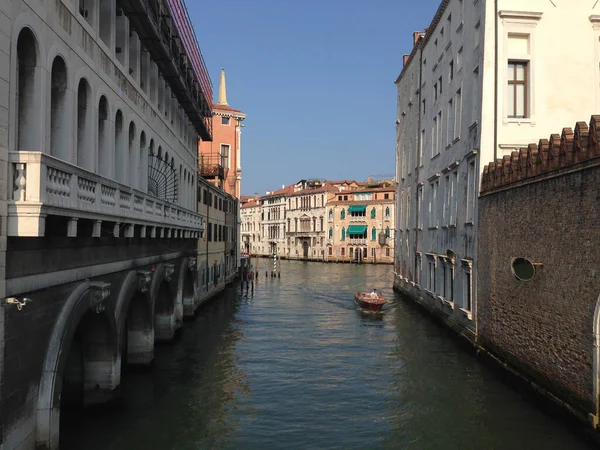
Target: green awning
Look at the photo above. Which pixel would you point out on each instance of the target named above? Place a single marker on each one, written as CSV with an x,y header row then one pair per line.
x,y
356,208
357,229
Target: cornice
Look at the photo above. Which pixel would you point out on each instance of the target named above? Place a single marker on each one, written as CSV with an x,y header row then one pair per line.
x,y
520,15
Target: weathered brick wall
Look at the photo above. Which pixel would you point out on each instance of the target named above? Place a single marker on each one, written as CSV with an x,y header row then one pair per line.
x,y
544,205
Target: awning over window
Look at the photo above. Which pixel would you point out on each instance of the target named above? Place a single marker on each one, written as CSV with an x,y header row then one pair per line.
x,y
356,208
357,229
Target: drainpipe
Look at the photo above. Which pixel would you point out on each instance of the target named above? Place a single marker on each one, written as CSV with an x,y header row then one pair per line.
x,y
495,80
419,144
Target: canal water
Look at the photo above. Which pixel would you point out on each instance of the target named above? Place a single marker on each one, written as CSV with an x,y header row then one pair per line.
x,y
292,364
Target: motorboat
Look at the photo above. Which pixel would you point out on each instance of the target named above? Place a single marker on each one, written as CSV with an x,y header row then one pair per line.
x,y
365,301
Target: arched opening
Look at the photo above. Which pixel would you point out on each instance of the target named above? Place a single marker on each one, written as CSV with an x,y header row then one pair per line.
x,y
104,157
58,110
28,95
164,320
84,129
132,156
143,164
148,184
120,161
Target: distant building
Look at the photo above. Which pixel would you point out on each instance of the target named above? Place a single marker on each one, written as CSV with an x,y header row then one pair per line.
x,y
250,224
220,159
360,224
483,80
273,220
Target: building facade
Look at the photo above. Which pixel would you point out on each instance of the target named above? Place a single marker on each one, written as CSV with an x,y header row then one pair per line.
x,y
306,206
220,159
479,83
250,225
273,216
360,225
101,106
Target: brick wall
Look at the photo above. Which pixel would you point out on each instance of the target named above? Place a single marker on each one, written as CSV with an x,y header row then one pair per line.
x,y
543,203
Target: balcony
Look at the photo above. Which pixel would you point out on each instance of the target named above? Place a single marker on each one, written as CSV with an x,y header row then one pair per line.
x,y
43,185
355,219
356,241
211,167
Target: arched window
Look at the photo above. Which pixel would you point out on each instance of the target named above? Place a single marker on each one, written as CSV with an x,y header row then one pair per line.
x,y
104,157
372,213
28,96
331,213
330,233
120,161
343,234
343,214
133,156
387,212
59,126
85,152
373,234
143,164
387,232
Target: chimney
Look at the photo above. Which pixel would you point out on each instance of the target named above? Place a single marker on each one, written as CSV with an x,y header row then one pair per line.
x,y
405,59
416,36
369,179
256,196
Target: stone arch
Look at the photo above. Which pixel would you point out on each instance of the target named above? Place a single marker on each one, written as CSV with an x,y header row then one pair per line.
x,y
163,298
134,317
59,117
104,156
85,153
28,92
132,155
120,163
143,163
85,308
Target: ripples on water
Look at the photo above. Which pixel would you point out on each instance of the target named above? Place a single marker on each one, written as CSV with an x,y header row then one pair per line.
x,y
294,365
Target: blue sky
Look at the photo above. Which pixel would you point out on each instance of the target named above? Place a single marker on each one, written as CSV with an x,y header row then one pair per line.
x,y
316,80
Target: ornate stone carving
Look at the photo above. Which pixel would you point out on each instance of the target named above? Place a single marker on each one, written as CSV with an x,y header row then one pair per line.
x,y
169,269
143,280
192,264
100,291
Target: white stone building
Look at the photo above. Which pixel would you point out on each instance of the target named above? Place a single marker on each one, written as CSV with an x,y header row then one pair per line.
x,y
250,225
483,80
306,209
273,216
101,106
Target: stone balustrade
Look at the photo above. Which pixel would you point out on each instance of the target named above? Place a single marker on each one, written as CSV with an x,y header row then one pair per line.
x,y
43,185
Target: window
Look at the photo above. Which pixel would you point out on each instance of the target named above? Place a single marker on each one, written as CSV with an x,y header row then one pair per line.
x,y
372,213
451,125
387,211
343,234
517,89
451,71
471,194
440,83
387,232
468,285
433,220
420,207
330,233
386,196
331,213
224,120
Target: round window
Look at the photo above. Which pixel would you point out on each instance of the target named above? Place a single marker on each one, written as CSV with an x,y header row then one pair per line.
x,y
523,269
